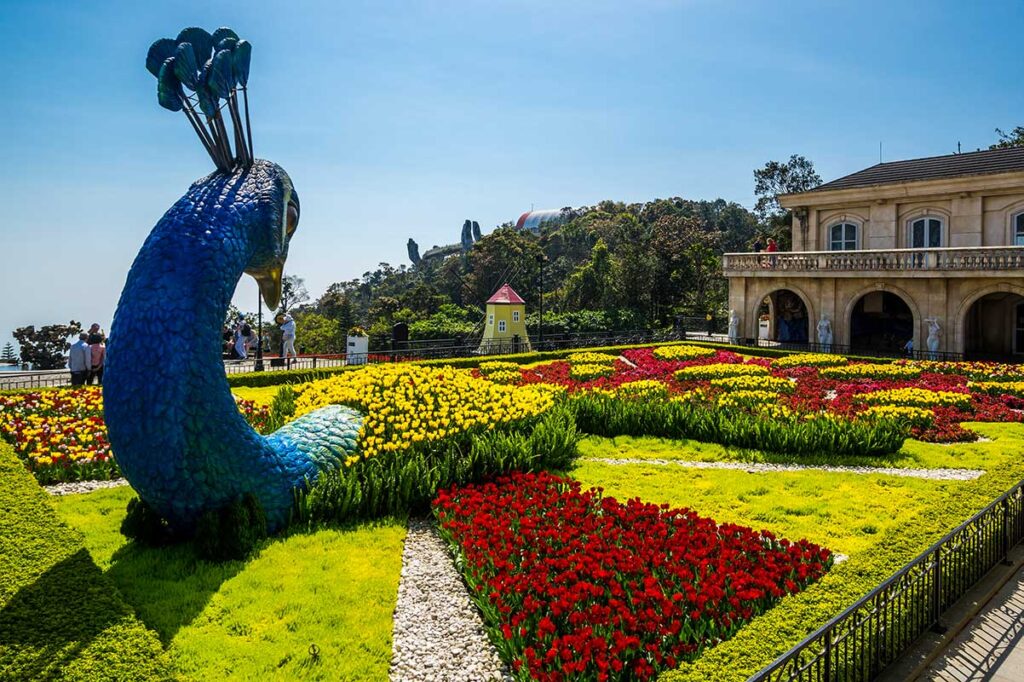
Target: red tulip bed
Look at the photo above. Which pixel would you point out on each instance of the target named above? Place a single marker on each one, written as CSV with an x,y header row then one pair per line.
x,y
813,392
576,586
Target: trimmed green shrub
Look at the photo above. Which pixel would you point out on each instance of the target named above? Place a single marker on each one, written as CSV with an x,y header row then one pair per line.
x,y
231,532
144,525
60,617
399,483
604,415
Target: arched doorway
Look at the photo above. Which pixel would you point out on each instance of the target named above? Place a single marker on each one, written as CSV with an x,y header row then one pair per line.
x,y
994,327
881,321
786,315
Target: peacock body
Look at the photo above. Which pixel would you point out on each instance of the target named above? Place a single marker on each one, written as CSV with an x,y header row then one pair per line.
x,y
174,427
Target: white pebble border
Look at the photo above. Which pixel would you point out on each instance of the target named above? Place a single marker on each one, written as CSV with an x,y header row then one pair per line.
x,y
83,486
751,468
438,634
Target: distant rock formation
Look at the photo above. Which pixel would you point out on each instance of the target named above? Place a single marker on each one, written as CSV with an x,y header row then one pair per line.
x,y
470,235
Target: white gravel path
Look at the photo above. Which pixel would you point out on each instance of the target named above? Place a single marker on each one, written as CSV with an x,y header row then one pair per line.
x,y
438,634
934,474
82,486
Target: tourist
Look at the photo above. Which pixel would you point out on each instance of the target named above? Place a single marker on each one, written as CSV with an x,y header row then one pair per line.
x,y
908,348
243,340
772,248
80,361
287,324
98,353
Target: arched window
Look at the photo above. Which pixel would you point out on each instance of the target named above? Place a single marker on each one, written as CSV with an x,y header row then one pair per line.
x,y
925,233
1018,229
842,237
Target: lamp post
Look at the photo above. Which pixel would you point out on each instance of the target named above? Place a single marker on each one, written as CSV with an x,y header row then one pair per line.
x,y
540,333
259,331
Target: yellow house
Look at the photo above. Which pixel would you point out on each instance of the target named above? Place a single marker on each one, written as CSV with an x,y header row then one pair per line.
x,y
505,327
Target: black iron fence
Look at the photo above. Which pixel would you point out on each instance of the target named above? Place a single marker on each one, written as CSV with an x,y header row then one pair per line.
x,y
860,642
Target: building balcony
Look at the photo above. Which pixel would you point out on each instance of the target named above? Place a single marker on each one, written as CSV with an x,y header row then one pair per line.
x,y
976,261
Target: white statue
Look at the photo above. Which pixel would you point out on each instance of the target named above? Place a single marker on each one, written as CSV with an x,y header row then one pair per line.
x,y
934,331
734,327
825,334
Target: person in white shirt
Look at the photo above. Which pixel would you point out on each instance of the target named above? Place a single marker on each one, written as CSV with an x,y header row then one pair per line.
x,y
80,360
287,324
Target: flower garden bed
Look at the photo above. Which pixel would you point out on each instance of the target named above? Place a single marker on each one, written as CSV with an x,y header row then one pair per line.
x,y
576,586
61,435
429,427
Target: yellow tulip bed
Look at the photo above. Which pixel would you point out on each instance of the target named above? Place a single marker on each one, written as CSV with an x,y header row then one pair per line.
x,y
719,371
590,372
587,358
809,360
683,353
755,382
888,372
914,397
407,404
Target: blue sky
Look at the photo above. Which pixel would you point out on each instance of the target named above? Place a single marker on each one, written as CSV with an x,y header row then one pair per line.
x,y
399,119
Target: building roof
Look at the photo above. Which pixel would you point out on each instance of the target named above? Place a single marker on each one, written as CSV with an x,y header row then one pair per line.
x,y
988,162
505,294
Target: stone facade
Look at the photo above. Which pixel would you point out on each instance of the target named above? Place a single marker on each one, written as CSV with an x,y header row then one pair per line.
x,y
965,269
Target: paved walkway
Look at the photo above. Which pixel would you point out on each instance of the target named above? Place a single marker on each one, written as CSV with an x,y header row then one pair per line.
x,y
991,647
757,468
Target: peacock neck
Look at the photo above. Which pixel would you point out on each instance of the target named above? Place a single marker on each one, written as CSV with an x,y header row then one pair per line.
x,y
165,391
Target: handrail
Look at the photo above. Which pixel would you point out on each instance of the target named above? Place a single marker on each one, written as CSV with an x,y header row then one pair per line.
x,y
873,251
820,668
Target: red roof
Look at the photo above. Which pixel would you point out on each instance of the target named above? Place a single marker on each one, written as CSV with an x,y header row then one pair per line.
x,y
505,294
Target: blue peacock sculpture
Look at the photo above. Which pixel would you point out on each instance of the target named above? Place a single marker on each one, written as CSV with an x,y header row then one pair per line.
x,y
174,427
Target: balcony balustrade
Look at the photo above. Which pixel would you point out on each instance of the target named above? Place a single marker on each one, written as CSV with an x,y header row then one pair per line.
x,y
975,261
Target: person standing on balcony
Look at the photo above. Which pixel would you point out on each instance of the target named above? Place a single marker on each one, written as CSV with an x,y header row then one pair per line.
x,y
772,248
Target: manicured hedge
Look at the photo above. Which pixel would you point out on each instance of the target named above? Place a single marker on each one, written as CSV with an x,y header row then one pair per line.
x,y
603,415
60,617
298,376
773,634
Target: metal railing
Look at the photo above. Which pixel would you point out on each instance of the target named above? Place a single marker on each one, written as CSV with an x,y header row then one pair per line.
x,y
975,259
860,642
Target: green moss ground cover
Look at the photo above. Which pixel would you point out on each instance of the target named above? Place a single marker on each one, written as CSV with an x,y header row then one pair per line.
x,y
257,619
879,522
61,618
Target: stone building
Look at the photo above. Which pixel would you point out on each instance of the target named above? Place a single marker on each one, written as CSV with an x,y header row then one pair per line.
x,y
893,250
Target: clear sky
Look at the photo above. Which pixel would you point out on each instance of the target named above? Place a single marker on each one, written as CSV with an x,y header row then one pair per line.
x,y
399,119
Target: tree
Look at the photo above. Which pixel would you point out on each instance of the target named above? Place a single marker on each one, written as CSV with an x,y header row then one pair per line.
x,y
795,175
589,286
1014,138
8,355
47,346
293,293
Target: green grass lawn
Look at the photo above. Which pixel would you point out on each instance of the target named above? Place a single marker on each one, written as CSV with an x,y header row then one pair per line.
x,y
262,395
880,522
913,455
261,618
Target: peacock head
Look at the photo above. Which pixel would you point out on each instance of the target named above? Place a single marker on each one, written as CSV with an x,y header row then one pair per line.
x,y
269,225
206,76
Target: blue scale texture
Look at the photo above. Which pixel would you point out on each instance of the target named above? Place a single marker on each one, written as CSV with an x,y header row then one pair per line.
x,y
174,428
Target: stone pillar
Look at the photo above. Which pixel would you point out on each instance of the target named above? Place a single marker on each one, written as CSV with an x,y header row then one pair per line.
x,y
738,302
880,232
965,228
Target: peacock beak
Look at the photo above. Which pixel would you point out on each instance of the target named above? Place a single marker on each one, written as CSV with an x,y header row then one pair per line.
x,y
269,281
